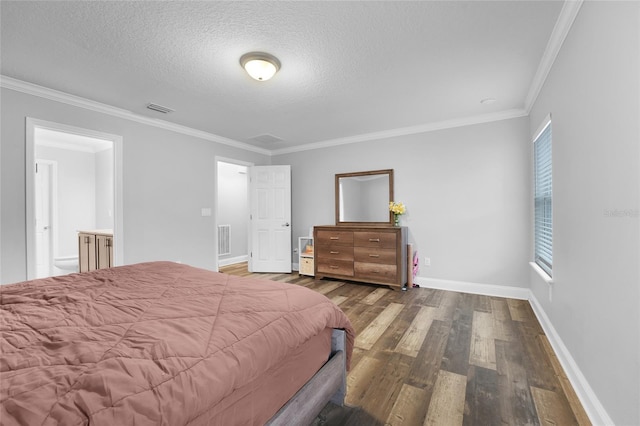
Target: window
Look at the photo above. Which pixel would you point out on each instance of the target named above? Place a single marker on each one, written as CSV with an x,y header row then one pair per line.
x,y
543,199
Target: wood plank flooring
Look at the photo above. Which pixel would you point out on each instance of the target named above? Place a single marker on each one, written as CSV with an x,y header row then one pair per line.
x,y
433,357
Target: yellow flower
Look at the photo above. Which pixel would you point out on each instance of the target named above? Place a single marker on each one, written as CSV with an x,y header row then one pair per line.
x,y
397,208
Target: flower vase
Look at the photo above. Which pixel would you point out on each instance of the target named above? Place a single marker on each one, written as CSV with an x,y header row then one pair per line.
x,y
396,220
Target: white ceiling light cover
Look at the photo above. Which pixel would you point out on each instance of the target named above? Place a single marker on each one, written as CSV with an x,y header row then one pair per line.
x,y
259,65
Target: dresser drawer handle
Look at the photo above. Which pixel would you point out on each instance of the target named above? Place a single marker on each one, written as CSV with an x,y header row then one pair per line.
x,y
374,255
374,240
334,252
334,238
334,267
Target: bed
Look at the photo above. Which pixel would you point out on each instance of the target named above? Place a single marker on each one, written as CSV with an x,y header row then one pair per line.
x,y
162,343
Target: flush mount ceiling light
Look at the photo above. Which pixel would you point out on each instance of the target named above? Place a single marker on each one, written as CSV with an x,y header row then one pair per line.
x,y
259,65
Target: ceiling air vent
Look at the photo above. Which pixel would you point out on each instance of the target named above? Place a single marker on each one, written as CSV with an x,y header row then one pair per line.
x,y
160,108
266,139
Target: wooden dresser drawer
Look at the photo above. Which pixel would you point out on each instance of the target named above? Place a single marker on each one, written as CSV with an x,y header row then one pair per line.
x,y
375,239
335,267
375,271
335,237
335,252
374,255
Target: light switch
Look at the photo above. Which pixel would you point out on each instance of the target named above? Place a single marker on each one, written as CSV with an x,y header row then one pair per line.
x,y
206,211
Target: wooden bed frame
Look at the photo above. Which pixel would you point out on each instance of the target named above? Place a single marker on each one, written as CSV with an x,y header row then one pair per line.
x,y
329,384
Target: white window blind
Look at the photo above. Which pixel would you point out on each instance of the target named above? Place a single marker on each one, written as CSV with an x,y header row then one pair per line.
x,y
543,200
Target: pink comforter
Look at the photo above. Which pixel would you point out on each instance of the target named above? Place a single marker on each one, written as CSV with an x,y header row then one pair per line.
x,y
153,343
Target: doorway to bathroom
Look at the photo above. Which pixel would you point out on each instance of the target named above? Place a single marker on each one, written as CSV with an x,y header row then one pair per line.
x,y
74,184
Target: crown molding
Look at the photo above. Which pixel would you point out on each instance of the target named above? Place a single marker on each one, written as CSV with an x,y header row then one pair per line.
x,y
77,101
404,131
567,16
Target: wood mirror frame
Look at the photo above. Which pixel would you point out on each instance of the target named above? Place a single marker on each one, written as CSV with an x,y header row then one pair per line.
x,y
362,176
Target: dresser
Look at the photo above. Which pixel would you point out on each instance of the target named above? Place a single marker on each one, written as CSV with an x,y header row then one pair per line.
x,y
372,254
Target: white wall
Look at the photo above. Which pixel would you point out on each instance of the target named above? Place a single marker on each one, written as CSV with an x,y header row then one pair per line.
x,y
467,192
104,189
593,94
168,178
233,208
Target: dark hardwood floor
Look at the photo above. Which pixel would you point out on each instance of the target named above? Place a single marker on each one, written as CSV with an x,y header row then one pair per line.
x,y
433,357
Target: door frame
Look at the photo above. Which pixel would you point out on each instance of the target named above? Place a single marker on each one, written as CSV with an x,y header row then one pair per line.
x,y
118,211
216,204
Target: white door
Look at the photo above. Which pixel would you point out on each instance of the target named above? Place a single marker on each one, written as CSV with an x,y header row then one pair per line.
x,y
43,220
270,219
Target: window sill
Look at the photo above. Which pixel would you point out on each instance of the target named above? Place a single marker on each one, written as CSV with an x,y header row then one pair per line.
x,y
542,273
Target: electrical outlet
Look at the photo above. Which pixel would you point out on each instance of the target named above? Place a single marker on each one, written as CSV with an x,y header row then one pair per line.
x,y
427,261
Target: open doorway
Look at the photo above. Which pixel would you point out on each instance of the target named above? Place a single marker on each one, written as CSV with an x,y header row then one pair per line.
x,y
73,183
232,211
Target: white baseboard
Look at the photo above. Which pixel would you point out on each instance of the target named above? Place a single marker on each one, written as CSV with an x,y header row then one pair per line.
x,y
232,260
596,412
594,409
474,288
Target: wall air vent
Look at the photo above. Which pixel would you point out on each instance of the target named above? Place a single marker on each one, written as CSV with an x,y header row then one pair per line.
x,y
224,239
160,108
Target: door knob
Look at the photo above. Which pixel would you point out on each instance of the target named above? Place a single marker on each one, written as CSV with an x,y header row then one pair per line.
x,y
286,224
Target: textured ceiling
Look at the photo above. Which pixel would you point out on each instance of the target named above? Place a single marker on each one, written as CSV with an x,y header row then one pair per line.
x,y
348,68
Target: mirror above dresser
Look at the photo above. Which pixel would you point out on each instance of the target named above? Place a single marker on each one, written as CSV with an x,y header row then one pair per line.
x,y
362,198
